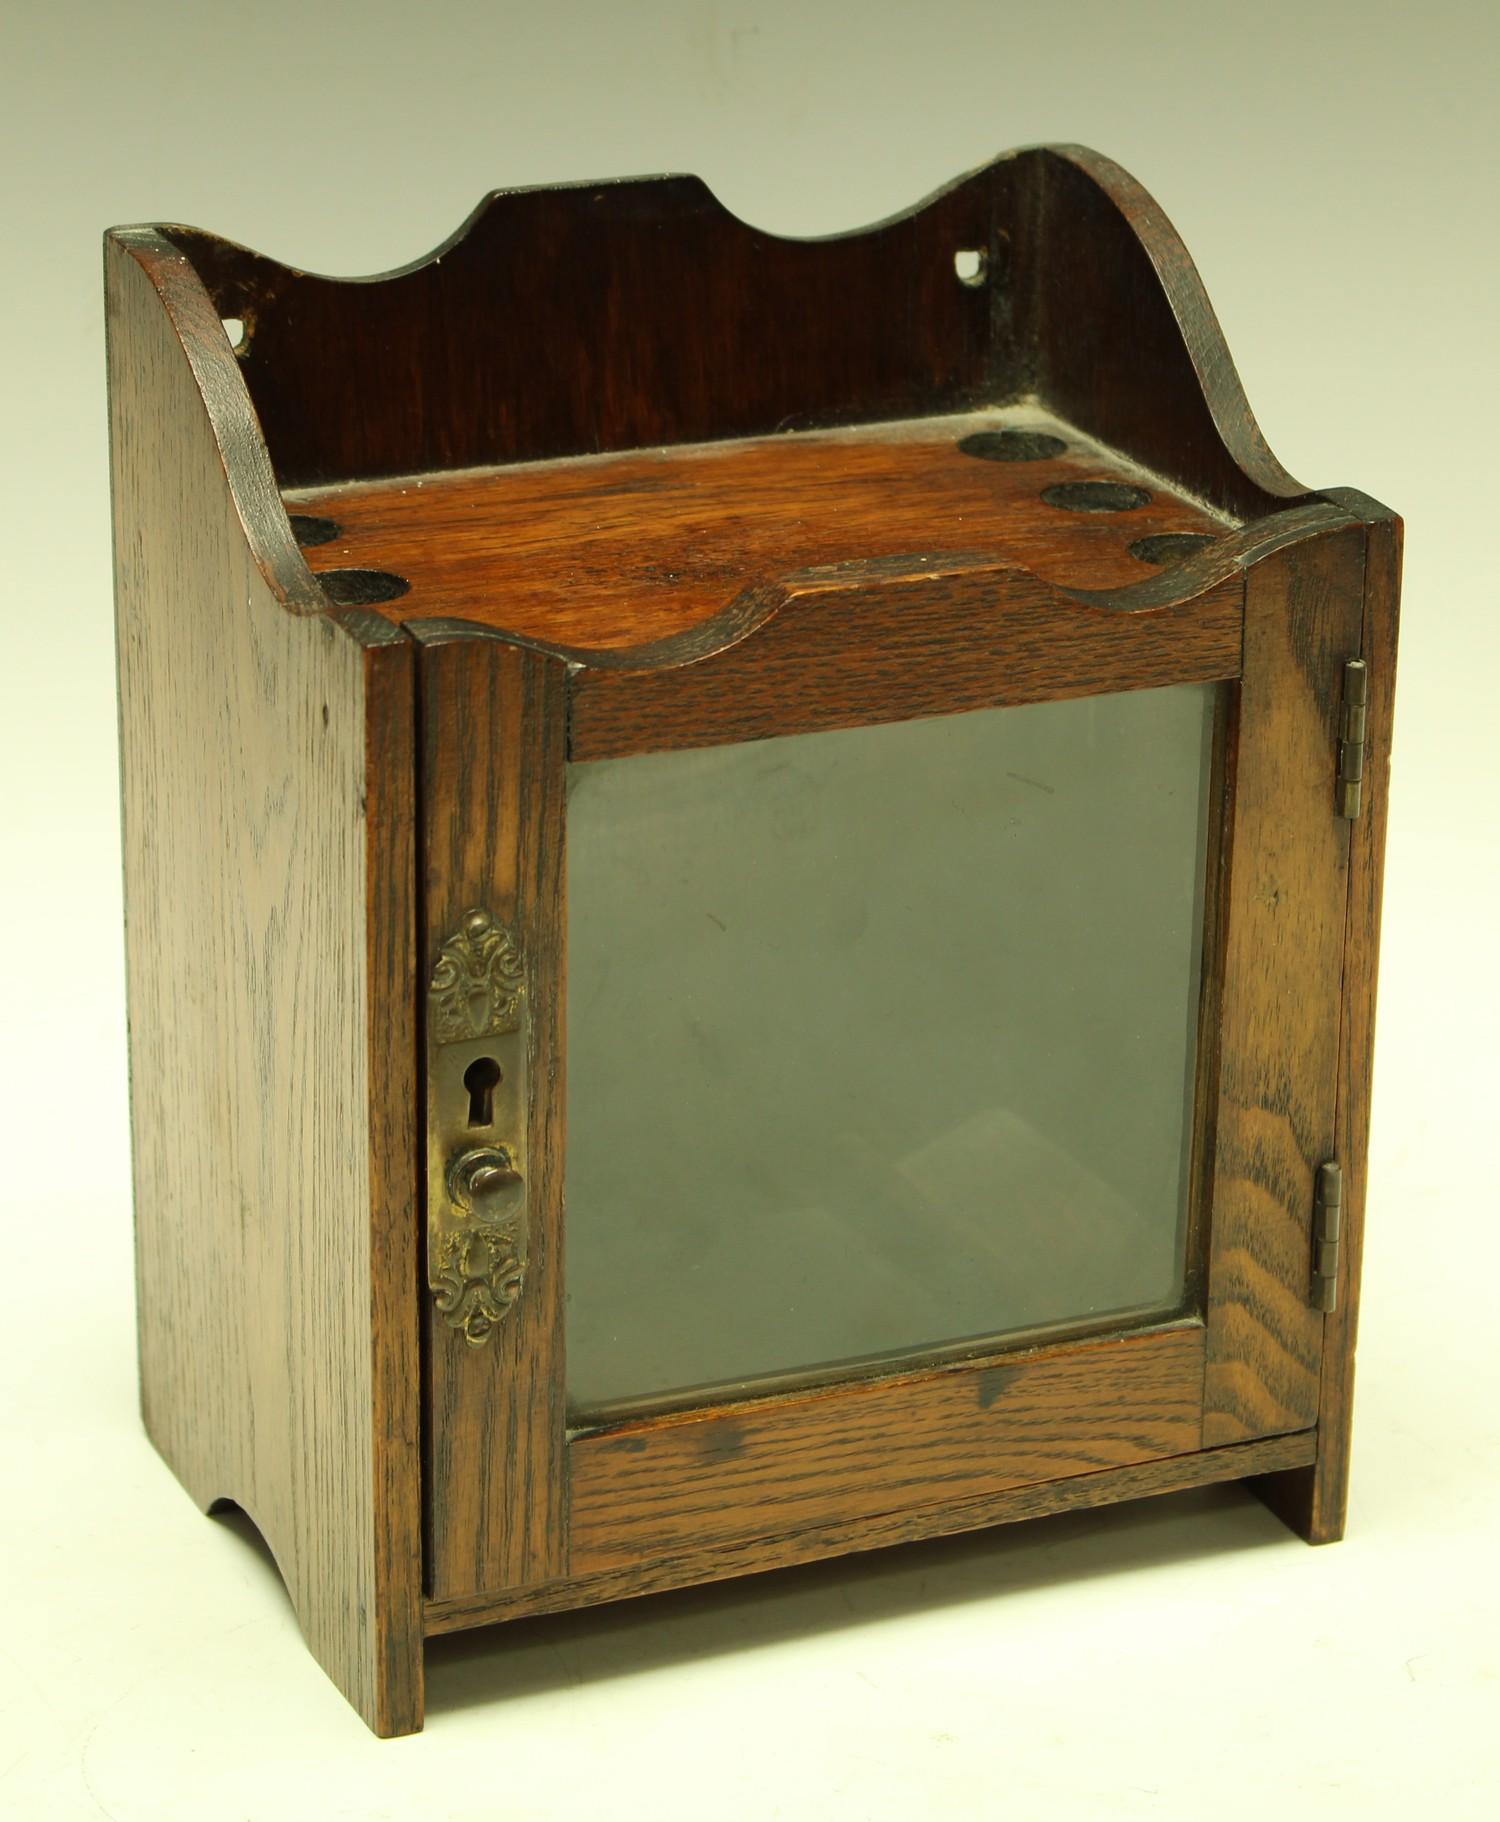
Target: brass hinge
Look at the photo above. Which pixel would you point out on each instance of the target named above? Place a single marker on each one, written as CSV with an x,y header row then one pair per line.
x,y
1328,1209
1351,772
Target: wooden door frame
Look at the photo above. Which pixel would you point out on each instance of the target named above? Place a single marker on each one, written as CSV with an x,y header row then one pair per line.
x,y
519,1515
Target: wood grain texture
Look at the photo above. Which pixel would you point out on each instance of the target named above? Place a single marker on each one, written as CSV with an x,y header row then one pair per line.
x,y
298,779
394,1138
1122,336
1078,1492
615,315
839,652
642,312
1284,907
1313,1499
492,724
602,553
266,756
658,1486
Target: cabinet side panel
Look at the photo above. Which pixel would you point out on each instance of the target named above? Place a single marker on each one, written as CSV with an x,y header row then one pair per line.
x,y
1127,341
1284,901
493,730
267,781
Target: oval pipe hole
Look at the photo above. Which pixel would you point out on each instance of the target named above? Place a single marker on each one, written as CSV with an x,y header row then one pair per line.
x,y
1095,496
1011,445
361,587
310,531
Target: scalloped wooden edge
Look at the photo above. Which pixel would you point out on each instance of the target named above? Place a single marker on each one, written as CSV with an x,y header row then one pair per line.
x,y
197,323
755,607
1197,323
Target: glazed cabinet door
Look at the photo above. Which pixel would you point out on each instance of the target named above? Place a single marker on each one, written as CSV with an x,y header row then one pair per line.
x,y
944,1089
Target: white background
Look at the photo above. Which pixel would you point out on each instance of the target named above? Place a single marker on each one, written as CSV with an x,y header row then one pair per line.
x,y
1333,168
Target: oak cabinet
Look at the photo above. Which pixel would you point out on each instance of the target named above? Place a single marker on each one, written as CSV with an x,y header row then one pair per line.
x,y
752,883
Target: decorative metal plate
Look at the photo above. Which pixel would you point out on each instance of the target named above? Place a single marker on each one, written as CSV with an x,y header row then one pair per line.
x,y
477,1229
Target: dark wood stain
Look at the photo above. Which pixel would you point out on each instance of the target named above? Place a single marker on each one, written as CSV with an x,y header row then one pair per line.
x,y
990,1382
613,295
1122,337
564,322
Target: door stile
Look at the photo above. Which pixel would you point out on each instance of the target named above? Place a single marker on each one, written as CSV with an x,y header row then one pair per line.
x,y
492,742
1285,899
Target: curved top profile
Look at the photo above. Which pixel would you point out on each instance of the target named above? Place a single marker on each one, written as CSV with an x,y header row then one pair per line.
x,y
641,314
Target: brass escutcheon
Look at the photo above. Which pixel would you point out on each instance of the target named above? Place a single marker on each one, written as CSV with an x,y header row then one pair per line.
x,y
477,1229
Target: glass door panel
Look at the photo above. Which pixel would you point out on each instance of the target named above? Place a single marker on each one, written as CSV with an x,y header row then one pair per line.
x,y
881,1040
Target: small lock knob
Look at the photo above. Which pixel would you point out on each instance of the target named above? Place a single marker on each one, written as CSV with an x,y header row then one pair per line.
x,y
484,1182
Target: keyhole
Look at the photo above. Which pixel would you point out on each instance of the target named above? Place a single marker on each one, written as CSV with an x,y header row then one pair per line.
x,y
482,1078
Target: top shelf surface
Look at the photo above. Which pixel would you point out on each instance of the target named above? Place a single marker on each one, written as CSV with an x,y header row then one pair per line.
x,y
612,551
